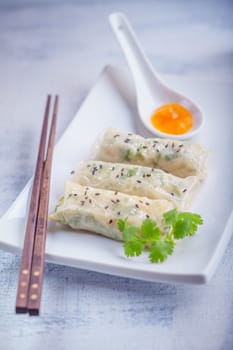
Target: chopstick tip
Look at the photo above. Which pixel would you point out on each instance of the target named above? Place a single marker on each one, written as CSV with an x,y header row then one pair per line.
x,y
33,312
21,310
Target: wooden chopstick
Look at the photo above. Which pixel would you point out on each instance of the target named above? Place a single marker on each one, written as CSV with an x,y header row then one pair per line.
x,y
25,268
37,271
39,200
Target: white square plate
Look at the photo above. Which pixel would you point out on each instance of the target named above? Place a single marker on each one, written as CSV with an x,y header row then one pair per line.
x,y
111,103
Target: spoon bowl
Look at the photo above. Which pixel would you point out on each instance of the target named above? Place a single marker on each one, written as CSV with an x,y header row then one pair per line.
x,y
151,92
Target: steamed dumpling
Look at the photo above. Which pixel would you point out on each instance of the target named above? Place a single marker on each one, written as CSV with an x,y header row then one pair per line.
x,y
173,156
137,180
98,210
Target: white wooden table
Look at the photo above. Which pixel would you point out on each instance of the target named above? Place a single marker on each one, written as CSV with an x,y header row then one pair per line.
x,y
61,47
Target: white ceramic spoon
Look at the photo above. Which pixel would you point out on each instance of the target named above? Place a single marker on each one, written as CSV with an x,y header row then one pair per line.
x,y
151,92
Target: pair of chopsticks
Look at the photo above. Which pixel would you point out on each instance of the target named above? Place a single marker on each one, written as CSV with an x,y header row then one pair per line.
x,y
33,254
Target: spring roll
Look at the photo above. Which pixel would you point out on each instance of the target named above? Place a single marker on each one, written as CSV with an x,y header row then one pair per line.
x,y
179,158
98,210
137,180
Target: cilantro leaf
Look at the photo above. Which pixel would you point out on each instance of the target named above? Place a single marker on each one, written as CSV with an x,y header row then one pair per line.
x,y
150,230
170,216
121,223
130,233
133,248
160,250
193,219
186,224
180,229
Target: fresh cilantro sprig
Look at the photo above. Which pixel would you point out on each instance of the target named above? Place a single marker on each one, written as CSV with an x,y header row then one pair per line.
x,y
159,242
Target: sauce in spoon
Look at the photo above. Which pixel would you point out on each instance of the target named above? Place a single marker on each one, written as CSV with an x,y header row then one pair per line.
x,y
172,119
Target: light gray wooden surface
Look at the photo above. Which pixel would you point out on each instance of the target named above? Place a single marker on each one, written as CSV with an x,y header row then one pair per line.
x,y
61,46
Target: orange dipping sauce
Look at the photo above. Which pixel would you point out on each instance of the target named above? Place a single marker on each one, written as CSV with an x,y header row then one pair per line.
x,y
172,118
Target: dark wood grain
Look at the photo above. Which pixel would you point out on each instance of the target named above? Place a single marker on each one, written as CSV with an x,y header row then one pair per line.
x,y
25,268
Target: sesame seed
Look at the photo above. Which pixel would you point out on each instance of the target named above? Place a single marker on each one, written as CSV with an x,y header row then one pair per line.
x,y
148,175
116,135
126,140
118,213
97,194
136,205
181,145
172,194
110,221
82,202
166,146
72,172
113,168
173,144
147,203
138,181
90,201
148,216
184,190
106,207
75,194
115,192
94,170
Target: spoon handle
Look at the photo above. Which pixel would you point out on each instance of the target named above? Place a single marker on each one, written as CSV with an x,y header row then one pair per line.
x,y
141,69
